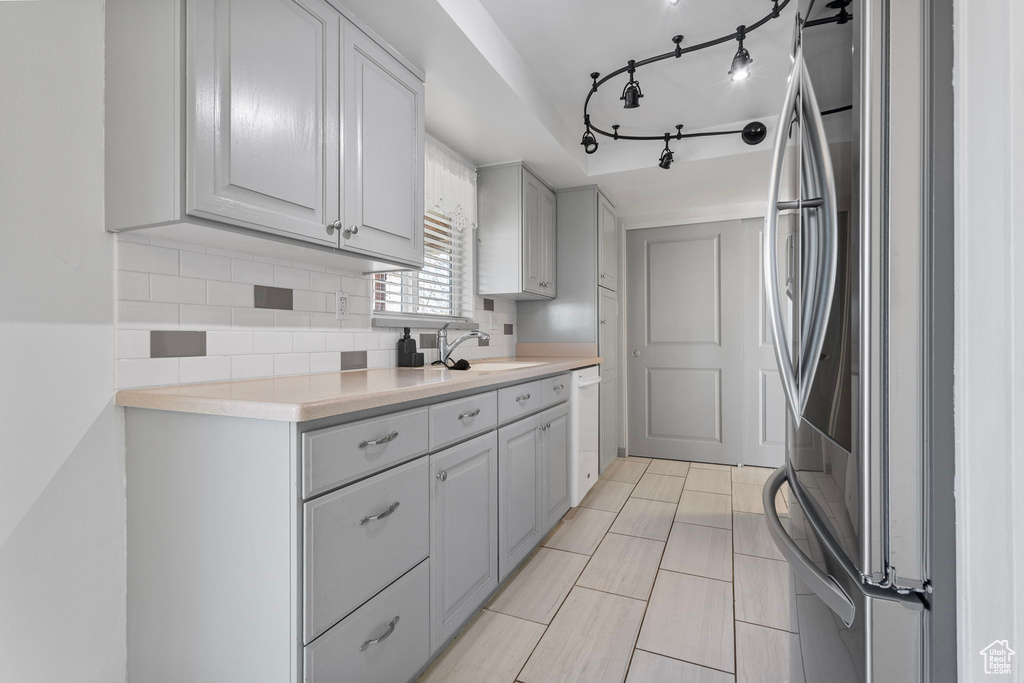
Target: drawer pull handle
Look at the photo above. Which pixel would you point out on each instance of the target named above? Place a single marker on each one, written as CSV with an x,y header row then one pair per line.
x,y
524,397
472,413
546,427
442,476
376,442
558,387
382,637
382,515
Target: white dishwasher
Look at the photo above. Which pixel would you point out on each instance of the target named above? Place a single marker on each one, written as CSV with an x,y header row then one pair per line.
x,y
584,416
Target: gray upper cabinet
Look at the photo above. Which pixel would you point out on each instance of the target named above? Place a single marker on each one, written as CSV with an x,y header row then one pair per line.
x,y
463,533
266,118
384,165
517,224
262,125
520,499
607,244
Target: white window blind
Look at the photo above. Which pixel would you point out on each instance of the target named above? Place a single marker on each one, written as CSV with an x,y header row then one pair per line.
x,y
437,289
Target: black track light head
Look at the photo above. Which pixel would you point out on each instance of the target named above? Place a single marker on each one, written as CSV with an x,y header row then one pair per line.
x,y
631,93
754,133
741,61
589,142
665,161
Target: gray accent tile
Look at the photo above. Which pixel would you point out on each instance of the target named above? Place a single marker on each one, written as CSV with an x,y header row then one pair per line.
x,y
508,328
483,342
488,304
353,360
428,341
273,297
176,343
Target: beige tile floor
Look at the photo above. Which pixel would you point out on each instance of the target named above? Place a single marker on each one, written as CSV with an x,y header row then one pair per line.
x,y
665,573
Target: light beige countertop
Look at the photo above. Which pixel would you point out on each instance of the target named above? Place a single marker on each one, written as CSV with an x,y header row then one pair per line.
x,y
298,398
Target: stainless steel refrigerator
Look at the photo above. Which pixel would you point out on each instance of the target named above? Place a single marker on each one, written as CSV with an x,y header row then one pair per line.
x,y
852,299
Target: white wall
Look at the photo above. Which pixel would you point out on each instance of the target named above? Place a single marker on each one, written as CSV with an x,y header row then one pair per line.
x,y
62,524
989,366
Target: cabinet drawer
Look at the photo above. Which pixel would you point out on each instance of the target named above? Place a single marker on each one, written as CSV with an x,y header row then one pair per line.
x,y
462,418
337,455
555,389
349,554
522,399
347,653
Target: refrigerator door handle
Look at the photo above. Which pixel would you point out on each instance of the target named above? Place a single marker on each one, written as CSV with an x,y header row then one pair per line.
x,y
823,585
769,254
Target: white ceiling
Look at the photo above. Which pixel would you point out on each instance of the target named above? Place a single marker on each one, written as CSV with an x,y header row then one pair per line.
x,y
506,81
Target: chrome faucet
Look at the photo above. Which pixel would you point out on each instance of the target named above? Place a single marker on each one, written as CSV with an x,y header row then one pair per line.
x,y
446,349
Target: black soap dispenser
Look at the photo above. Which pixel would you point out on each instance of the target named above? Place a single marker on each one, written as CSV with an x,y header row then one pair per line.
x,y
407,356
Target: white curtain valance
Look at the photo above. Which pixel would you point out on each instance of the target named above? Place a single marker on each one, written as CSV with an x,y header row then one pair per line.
x,y
450,188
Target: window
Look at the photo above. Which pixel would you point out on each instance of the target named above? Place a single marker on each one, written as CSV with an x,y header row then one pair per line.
x,y
437,289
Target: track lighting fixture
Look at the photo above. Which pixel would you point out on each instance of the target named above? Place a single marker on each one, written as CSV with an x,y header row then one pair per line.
x,y
752,134
741,61
665,161
631,94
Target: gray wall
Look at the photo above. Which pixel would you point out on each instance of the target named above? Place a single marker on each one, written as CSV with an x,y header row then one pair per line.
x,y
62,523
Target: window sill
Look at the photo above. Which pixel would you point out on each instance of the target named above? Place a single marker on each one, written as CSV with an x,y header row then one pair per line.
x,y
422,322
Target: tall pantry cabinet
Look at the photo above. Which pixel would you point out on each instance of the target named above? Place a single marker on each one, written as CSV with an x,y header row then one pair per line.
x,y
587,308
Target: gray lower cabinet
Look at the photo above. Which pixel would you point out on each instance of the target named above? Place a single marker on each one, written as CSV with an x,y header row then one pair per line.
x,y
384,641
520,496
463,533
555,456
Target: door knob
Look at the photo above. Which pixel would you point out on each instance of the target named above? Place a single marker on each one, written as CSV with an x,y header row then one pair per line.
x,y
442,476
351,231
636,353
333,226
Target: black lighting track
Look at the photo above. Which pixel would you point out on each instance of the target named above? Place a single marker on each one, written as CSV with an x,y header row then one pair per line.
x,y
753,133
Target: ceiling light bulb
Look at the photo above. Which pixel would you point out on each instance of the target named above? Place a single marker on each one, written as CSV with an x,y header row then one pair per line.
x,y
665,161
673,2
589,142
740,65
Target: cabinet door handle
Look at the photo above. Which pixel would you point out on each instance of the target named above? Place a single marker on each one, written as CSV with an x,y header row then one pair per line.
x,y
524,397
382,637
604,322
472,413
546,427
603,276
442,476
558,387
354,230
376,442
381,515
336,225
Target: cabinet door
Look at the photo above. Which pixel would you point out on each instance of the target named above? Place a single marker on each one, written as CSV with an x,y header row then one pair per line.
x,y
608,348
519,492
607,244
263,124
555,457
384,141
548,244
463,533
533,236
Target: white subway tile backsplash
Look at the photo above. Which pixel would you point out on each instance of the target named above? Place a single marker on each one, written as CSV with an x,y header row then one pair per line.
x,y
252,272
272,342
166,285
146,372
292,278
291,364
178,290
306,342
146,258
325,282
245,367
201,317
132,286
229,294
229,343
324,362
206,266
303,300
204,369
147,315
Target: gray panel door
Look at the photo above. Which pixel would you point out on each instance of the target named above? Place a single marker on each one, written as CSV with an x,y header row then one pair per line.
x,y
520,466
684,342
463,533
